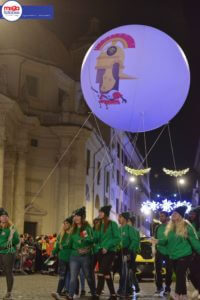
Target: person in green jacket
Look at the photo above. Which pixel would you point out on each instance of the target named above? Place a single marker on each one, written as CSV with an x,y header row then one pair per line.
x,y
9,239
108,241
96,224
81,243
194,218
162,257
137,249
61,249
180,239
129,248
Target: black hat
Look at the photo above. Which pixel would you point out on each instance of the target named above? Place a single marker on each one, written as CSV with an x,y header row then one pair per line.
x,y
106,210
3,212
80,212
69,220
181,210
125,215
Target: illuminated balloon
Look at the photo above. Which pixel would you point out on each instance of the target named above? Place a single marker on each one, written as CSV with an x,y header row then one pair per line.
x,y
135,78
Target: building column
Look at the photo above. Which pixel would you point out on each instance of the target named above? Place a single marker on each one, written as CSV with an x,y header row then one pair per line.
x,y
9,180
19,197
2,145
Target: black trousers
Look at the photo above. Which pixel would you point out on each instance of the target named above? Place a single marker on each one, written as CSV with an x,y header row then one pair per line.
x,y
194,269
7,263
159,262
105,267
131,278
133,267
180,267
106,262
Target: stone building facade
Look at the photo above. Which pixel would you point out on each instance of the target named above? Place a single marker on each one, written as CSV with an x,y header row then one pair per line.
x,y
42,113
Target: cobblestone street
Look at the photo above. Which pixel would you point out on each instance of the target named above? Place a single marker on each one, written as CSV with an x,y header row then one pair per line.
x,y
39,287
30,287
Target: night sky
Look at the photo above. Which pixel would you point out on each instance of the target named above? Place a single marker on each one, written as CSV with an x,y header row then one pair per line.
x,y
179,19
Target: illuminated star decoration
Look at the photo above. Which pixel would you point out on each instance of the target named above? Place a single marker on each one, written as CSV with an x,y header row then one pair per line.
x,y
175,173
166,205
137,172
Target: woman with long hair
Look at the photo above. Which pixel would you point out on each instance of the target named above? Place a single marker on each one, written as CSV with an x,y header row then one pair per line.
x,y
181,239
108,241
194,218
81,243
61,248
9,239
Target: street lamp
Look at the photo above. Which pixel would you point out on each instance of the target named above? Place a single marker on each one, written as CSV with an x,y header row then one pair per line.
x,y
181,181
146,211
132,179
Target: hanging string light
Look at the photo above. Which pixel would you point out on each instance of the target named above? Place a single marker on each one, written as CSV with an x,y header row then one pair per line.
x,y
165,205
175,173
137,172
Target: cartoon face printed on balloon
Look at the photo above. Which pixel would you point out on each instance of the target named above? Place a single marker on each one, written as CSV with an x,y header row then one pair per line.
x,y
135,78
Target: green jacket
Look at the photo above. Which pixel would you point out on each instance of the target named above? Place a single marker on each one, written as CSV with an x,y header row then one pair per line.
x,y
96,235
197,230
159,234
110,239
9,239
179,246
77,241
130,238
61,247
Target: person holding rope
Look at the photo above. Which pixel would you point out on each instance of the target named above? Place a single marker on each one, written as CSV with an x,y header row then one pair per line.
x,y
161,256
181,239
129,246
134,253
9,239
63,251
81,243
108,241
194,218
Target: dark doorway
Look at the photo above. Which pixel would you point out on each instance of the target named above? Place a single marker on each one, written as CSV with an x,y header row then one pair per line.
x,y
30,228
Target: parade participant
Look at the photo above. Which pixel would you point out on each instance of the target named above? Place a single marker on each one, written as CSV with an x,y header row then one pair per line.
x,y
194,218
181,239
96,226
61,248
161,258
108,240
9,239
133,266
81,243
129,245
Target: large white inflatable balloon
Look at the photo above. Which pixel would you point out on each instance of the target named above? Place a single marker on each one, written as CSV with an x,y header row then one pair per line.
x,y
135,78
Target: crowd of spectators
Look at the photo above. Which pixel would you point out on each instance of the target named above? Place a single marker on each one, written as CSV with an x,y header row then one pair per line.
x,y
34,255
